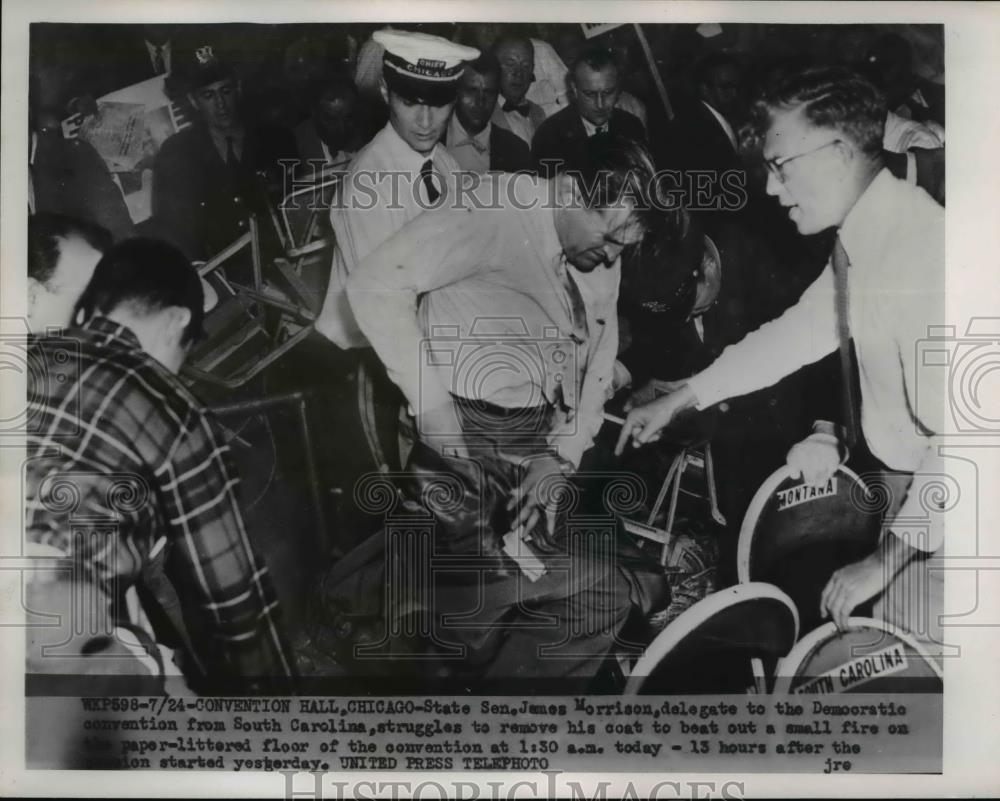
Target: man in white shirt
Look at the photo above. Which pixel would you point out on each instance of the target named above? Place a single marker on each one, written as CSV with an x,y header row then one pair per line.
x,y
397,175
476,143
822,135
498,323
514,112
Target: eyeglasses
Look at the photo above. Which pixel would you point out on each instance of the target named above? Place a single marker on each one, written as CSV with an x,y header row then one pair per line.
x,y
776,166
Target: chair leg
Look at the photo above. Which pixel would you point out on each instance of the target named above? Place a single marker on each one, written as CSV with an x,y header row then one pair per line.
x,y
713,498
675,466
672,509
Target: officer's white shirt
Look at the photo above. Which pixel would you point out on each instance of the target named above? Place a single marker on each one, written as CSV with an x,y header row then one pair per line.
x,y
376,200
894,238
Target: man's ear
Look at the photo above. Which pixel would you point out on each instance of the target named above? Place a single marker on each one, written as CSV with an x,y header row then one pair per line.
x,y
177,319
383,90
567,190
190,98
846,153
35,288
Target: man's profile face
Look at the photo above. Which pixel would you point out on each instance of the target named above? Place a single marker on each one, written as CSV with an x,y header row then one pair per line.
x,y
517,65
591,237
217,103
812,188
418,124
596,92
477,97
52,304
334,119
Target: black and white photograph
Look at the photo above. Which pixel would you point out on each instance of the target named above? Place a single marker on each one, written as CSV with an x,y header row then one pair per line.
x,y
500,402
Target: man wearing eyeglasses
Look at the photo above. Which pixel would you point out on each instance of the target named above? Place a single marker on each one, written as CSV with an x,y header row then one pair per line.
x,y
821,132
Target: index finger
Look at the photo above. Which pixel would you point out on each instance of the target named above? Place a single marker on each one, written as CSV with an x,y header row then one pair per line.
x,y
625,434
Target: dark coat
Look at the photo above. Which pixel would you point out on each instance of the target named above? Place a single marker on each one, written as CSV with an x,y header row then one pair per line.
x,y
199,204
562,135
69,177
508,151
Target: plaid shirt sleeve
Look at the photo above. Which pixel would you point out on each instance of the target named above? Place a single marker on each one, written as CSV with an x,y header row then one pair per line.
x,y
215,559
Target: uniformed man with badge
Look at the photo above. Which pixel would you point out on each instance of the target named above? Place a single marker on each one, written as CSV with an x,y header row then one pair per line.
x,y
401,172
207,178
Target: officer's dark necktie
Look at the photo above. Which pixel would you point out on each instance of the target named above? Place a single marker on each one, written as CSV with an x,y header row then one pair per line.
x,y
231,161
159,63
427,176
521,108
850,395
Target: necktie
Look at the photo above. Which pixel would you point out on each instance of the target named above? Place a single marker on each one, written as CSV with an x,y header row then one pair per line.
x,y
231,161
521,108
427,176
578,314
159,65
849,385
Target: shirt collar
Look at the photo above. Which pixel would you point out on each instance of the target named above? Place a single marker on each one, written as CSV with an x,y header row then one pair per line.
x,y
856,231
590,128
457,134
110,331
402,154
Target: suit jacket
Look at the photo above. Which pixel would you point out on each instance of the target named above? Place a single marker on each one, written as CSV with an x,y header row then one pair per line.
x,y
201,206
696,141
508,151
563,134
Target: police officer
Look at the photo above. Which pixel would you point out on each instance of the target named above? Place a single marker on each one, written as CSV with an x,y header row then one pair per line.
x,y
401,172
207,178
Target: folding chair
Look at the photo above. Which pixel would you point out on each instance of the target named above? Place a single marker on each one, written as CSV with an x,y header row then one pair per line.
x,y
303,229
795,536
252,326
723,644
870,656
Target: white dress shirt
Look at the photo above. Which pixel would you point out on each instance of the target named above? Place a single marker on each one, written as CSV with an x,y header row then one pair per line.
x,y
377,199
517,123
592,129
164,51
472,302
471,152
894,238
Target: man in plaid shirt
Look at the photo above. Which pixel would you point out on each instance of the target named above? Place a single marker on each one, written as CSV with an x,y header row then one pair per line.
x,y
128,476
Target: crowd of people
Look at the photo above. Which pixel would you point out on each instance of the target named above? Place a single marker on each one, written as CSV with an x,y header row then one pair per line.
x,y
530,241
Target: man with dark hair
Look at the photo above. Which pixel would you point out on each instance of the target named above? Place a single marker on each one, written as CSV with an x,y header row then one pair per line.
x,y
478,144
594,80
330,135
62,254
206,180
889,65
144,458
702,135
524,297
821,135
514,112
397,175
